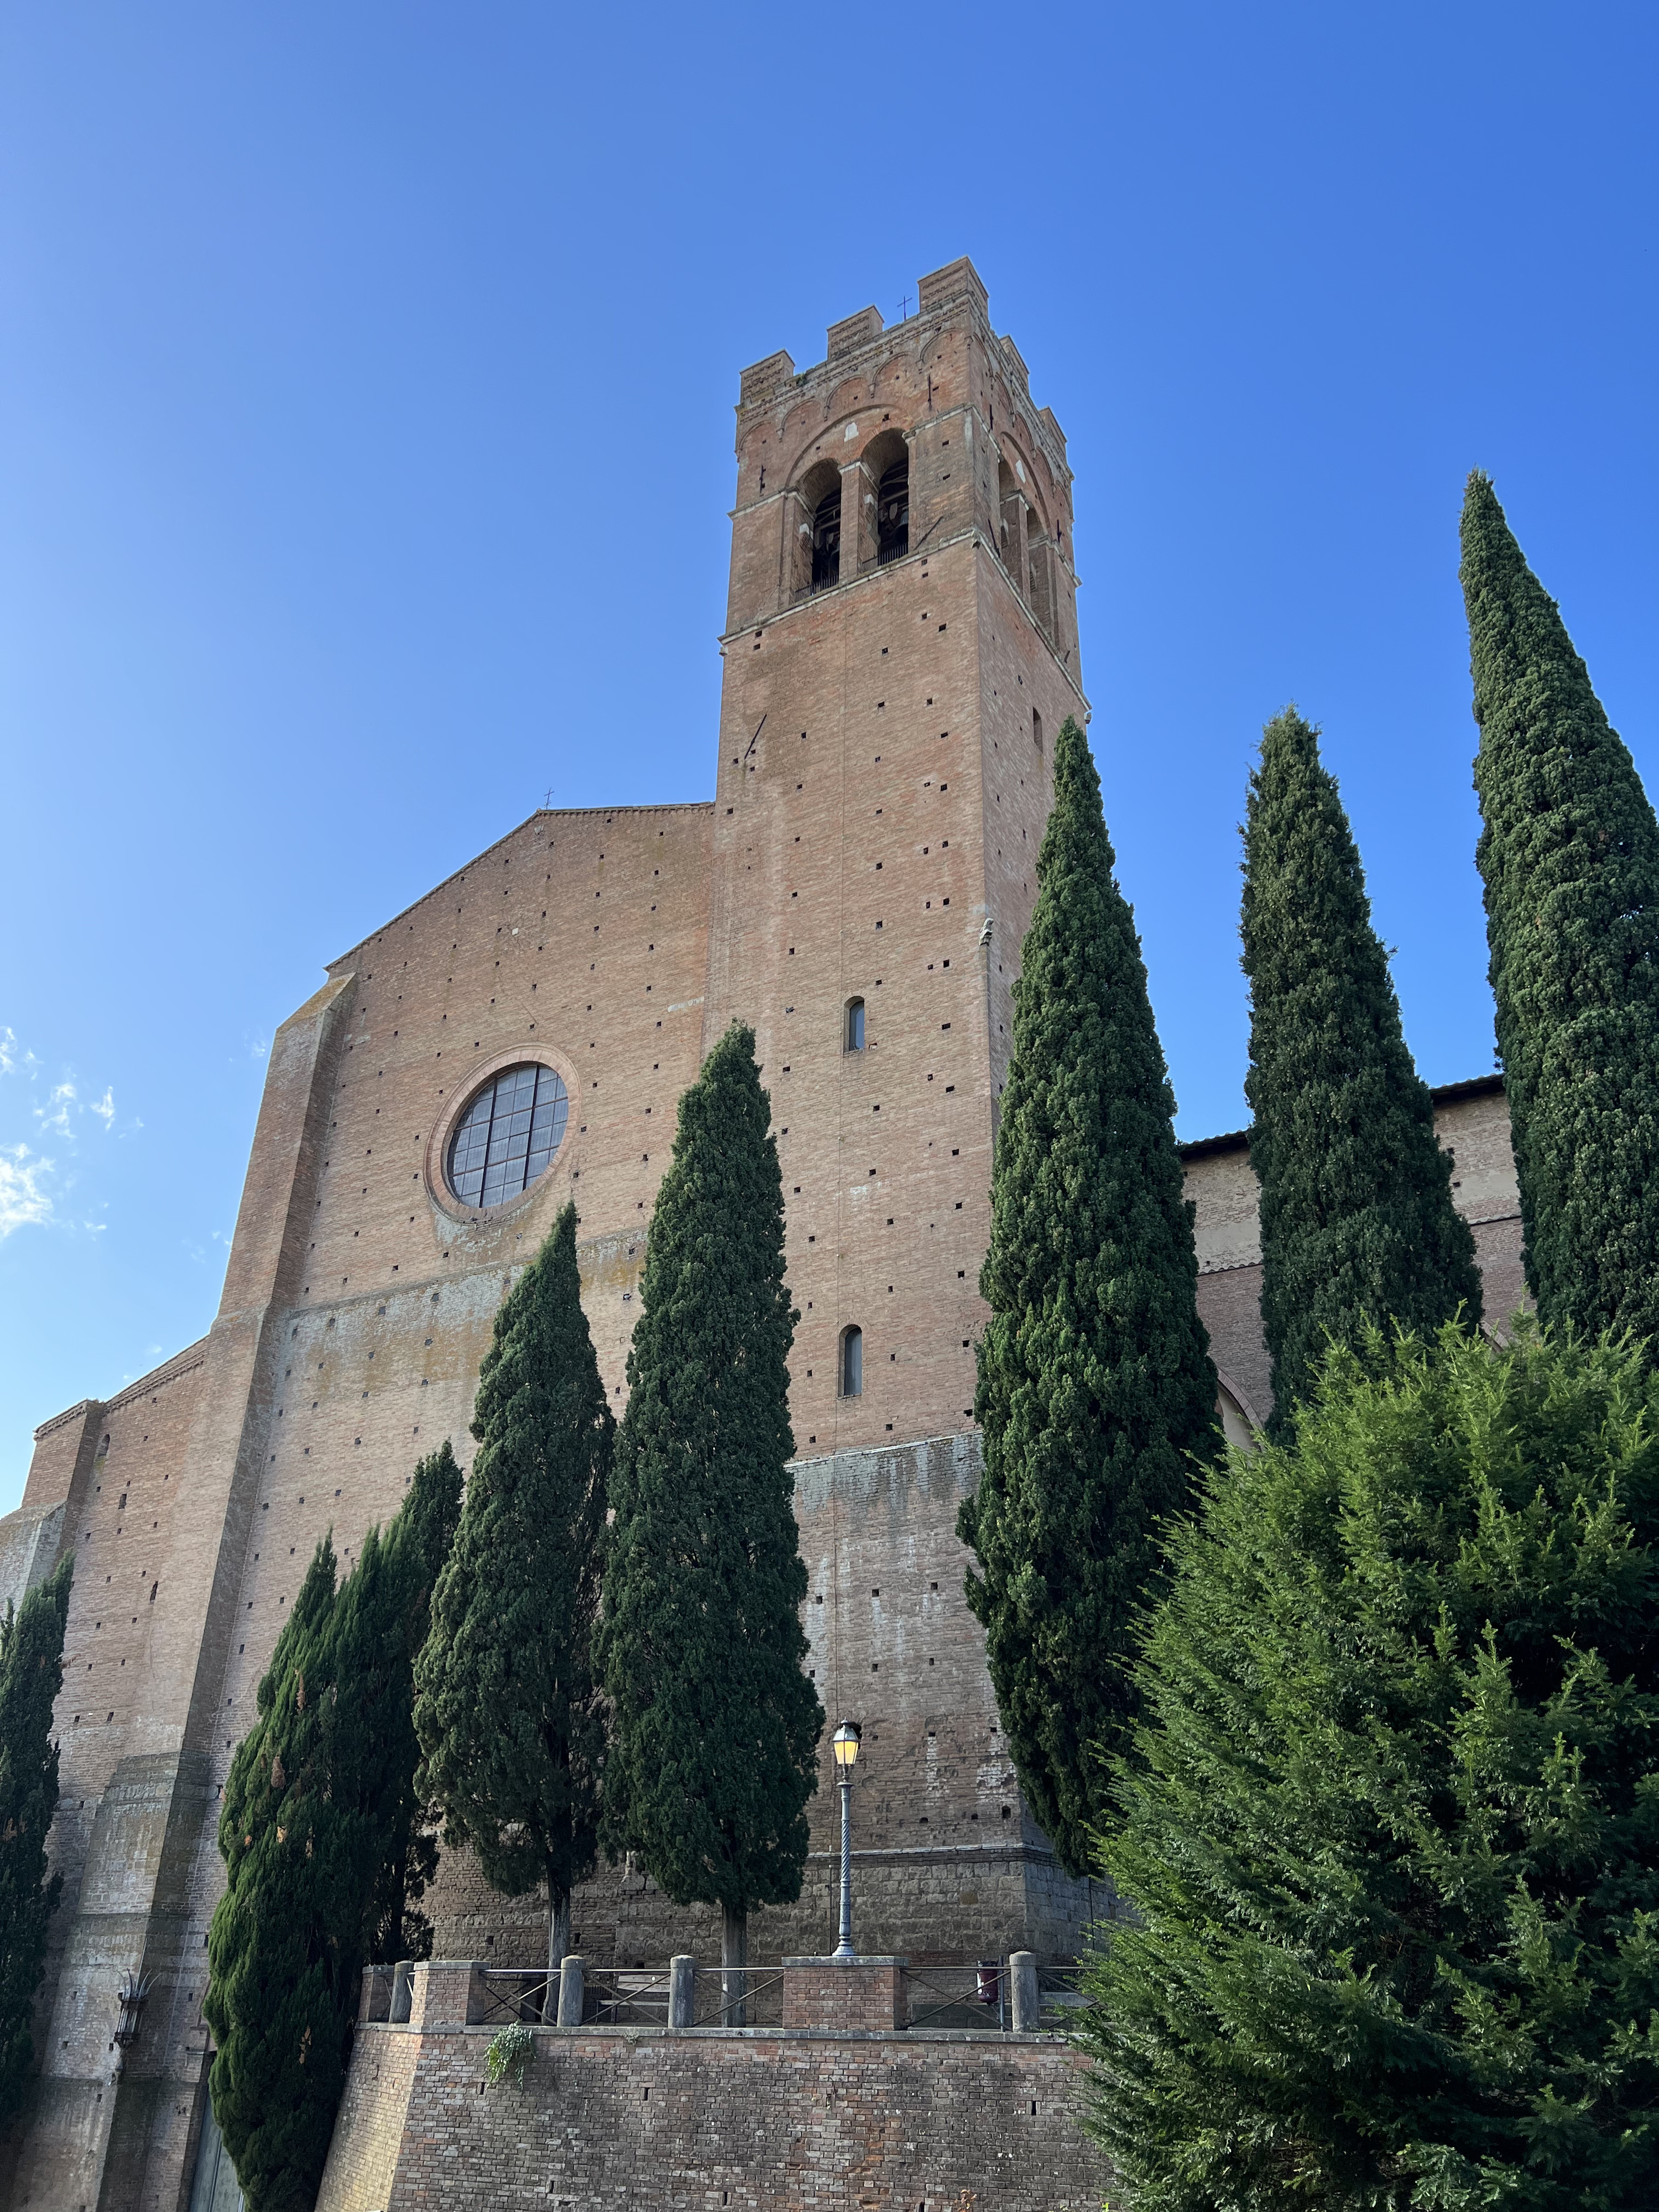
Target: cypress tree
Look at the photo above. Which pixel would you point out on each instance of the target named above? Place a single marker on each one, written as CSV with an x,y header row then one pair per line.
x,y
1357,1222
323,1841
715,1726
31,1674
506,1708
379,1629
285,1950
1570,857
1096,1390
1390,1831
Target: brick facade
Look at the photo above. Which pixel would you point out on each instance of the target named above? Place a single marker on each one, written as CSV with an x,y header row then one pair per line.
x,y
882,785
864,1997
1471,1122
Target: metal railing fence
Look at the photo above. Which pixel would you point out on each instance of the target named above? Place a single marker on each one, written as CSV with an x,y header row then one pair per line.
x,y
974,1994
1060,1996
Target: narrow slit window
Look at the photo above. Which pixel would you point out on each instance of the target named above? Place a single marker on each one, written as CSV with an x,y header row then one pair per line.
x,y
855,1025
852,1362
1037,729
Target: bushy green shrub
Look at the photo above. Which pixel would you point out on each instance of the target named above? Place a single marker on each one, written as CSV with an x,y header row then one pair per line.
x,y
509,2055
1391,1826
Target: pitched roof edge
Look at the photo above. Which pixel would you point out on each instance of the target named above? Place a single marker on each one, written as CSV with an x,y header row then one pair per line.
x,y
668,806
1444,1094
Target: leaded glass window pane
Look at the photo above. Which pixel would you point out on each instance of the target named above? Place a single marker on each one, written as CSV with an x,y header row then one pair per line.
x,y
508,1135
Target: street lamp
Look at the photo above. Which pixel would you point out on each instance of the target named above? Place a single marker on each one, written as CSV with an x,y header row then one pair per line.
x,y
845,1745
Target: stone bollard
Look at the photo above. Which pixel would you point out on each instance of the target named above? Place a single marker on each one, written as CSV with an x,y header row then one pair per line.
x,y
1022,1973
682,1991
570,1991
403,1983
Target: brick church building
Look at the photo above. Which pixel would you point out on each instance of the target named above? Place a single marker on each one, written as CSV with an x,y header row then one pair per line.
x,y
901,644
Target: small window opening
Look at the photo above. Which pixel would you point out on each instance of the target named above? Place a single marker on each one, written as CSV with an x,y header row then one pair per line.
x,y
1037,729
855,1025
852,1362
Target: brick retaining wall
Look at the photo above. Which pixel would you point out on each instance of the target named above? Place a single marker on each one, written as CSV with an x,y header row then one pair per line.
x,y
754,2121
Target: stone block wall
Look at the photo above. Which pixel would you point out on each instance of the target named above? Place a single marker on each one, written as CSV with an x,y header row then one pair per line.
x,y
28,1550
946,1861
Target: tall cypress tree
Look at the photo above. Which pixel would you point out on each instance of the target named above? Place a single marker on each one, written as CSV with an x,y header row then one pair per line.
x,y
1569,856
1096,1392
325,1849
506,1708
286,1946
1357,1222
380,1630
31,1673
716,1724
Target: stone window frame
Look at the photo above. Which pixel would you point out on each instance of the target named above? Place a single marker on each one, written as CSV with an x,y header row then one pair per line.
x,y
558,1174
849,1362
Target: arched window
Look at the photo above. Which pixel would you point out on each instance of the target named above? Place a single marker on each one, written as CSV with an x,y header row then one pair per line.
x,y
1040,563
814,509
893,511
885,475
852,1362
826,540
1007,496
855,1025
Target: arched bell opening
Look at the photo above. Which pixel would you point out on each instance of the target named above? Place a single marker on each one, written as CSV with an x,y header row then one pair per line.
x,y
816,524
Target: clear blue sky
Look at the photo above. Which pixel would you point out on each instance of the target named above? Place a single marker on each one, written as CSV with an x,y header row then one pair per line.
x,y
366,379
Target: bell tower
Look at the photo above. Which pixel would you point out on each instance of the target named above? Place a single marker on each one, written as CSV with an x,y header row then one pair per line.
x,y
900,648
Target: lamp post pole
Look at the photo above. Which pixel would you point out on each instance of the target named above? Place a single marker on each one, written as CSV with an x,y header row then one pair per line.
x,y
846,1747
844,1952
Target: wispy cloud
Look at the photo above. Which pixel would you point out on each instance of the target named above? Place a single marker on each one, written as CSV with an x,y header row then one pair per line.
x,y
13,1056
23,1197
27,1190
54,1114
64,1106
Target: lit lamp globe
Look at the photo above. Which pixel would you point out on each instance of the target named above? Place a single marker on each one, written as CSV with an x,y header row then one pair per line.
x,y
845,1742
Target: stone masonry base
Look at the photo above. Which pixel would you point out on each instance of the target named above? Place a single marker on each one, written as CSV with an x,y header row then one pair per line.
x,y
753,2121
